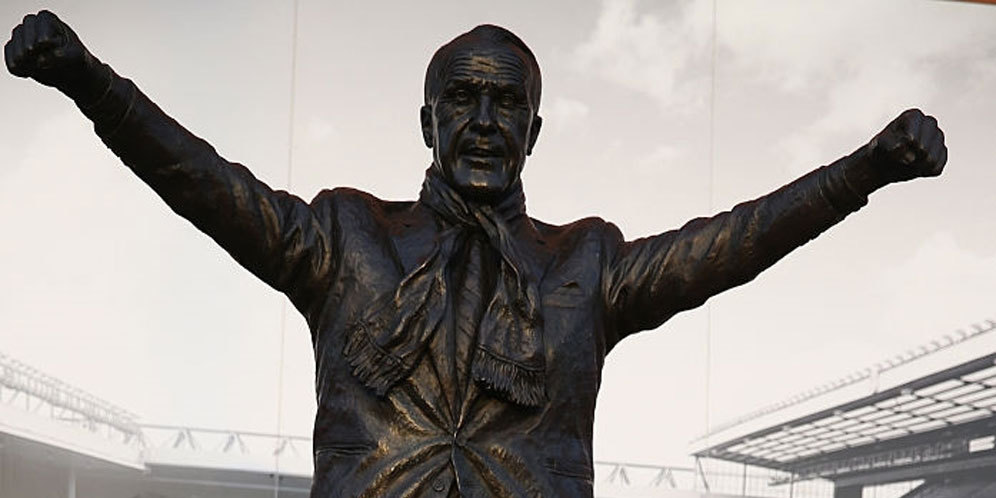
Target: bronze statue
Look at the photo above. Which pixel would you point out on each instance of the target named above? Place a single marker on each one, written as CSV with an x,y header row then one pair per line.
x,y
459,343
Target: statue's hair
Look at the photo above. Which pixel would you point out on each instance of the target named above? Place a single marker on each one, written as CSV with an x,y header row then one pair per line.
x,y
484,34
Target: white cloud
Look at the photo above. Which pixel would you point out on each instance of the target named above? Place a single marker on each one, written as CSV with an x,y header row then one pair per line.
x,y
939,270
661,54
857,63
320,130
862,63
564,113
661,157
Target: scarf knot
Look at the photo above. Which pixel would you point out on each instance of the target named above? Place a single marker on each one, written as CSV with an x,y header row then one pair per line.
x,y
386,342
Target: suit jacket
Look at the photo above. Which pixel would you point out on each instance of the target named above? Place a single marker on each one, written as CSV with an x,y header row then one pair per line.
x,y
344,249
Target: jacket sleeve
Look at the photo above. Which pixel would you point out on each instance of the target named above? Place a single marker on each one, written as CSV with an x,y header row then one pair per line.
x,y
275,235
648,280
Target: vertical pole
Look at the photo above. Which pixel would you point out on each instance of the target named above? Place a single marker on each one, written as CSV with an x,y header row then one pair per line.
x,y
712,201
283,301
701,471
71,492
743,491
792,486
2,466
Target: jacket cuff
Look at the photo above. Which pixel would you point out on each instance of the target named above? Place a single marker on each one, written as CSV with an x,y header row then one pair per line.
x,y
111,109
842,195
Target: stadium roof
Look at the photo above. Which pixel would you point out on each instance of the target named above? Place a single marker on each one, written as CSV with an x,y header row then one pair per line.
x,y
940,398
44,417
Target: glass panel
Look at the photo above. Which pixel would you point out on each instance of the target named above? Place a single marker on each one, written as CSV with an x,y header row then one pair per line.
x,y
121,325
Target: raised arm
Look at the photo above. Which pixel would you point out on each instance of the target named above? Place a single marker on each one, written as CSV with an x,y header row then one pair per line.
x,y
275,235
649,280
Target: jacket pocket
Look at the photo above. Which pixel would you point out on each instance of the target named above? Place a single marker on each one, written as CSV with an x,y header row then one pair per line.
x,y
569,468
336,469
567,295
342,449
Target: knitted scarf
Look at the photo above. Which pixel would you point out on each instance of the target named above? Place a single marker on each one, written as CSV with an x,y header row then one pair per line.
x,y
387,341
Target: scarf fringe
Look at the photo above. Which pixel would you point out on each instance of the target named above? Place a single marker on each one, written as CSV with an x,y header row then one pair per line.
x,y
391,337
517,383
372,366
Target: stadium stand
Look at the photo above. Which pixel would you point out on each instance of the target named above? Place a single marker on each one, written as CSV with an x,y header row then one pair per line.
x,y
927,415
923,422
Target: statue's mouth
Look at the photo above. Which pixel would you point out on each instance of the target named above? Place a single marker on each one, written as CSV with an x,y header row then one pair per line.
x,y
478,151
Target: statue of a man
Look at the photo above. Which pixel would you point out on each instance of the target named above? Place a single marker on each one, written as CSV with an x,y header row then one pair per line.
x,y
459,343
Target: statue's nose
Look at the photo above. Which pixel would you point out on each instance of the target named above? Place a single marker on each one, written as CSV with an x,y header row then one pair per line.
x,y
484,122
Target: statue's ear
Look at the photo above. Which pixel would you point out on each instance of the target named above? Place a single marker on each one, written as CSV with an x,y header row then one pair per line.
x,y
534,133
425,115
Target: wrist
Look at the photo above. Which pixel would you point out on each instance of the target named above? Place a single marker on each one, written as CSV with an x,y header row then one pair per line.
x,y
861,173
90,83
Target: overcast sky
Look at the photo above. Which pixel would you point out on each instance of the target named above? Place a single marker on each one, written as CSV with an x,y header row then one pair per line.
x,y
103,286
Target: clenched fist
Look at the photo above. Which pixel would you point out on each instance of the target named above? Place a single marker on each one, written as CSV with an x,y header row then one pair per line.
x,y
911,146
45,49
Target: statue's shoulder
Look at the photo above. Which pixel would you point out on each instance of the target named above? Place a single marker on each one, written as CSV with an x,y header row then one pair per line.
x,y
352,199
591,227
352,211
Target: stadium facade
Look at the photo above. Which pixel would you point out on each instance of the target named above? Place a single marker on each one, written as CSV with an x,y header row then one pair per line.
x,y
921,424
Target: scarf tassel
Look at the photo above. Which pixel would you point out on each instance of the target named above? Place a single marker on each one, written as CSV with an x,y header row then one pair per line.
x,y
391,336
517,383
372,366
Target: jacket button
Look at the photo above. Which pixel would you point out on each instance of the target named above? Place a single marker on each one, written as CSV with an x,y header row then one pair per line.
x,y
439,485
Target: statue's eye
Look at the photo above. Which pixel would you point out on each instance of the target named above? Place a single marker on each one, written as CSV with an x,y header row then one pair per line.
x,y
460,95
511,100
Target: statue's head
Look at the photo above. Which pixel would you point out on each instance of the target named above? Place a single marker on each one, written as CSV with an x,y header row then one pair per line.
x,y
482,94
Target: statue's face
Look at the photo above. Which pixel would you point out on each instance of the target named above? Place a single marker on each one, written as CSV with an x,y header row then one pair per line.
x,y
482,125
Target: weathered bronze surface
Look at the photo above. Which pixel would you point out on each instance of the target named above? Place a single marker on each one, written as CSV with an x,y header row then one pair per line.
x,y
459,343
